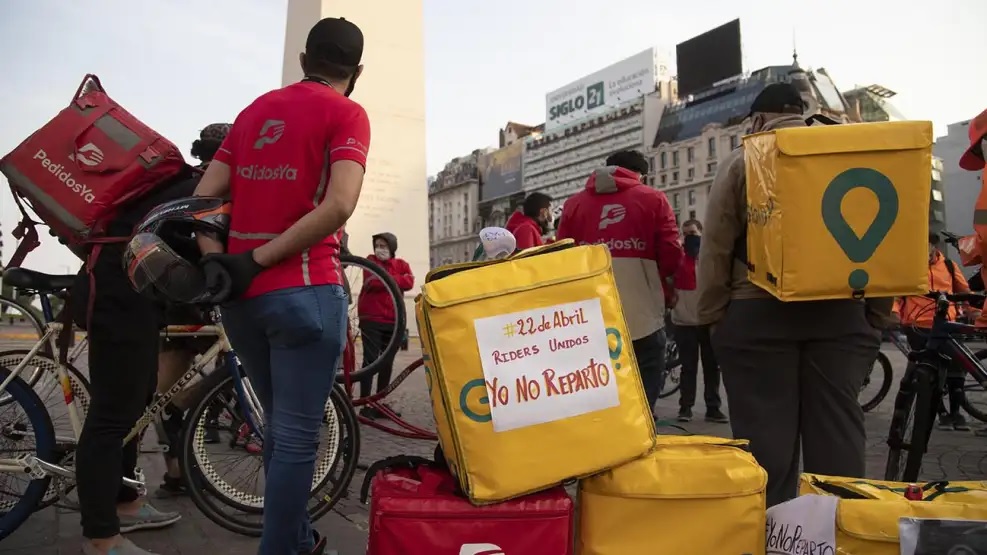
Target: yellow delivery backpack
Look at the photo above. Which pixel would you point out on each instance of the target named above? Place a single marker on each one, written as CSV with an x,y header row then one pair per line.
x,y
692,495
839,211
530,370
868,512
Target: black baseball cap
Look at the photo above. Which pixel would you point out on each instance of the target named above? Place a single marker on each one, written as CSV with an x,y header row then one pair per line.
x,y
335,40
776,97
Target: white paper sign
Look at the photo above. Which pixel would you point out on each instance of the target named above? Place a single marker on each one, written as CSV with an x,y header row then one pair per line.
x,y
805,525
546,364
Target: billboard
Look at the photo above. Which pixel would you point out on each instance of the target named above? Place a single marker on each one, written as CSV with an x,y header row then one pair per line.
x,y
623,81
708,58
500,171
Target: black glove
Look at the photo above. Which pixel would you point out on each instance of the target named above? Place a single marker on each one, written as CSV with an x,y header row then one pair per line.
x,y
229,275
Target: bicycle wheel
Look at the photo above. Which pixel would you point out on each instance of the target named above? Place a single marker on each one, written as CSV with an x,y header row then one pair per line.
x,y
230,502
371,350
974,400
30,421
673,370
24,328
911,424
48,388
877,384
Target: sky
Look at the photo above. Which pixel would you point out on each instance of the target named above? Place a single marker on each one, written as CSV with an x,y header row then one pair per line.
x,y
181,64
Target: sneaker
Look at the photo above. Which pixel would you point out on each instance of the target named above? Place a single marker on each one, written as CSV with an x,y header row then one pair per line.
x,y
715,415
147,518
982,432
959,423
946,422
319,547
123,547
685,414
370,412
171,487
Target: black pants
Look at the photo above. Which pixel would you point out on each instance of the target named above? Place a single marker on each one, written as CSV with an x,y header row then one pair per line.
x,y
123,363
954,379
693,342
792,372
376,337
650,354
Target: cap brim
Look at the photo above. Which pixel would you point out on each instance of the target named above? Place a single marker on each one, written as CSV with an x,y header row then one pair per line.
x,y
970,161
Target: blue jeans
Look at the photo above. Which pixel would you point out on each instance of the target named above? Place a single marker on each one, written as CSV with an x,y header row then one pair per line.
x,y
289,342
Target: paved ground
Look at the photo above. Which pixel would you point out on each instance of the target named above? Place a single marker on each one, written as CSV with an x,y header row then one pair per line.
x,y
954,455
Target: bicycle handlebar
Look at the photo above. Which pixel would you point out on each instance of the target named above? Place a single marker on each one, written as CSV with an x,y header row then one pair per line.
x,y
972,298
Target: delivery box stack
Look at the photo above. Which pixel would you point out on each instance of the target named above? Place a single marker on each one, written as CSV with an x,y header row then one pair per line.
x,y
534,382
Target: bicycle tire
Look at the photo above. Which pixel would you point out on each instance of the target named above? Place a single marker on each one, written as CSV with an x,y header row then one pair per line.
x,y
80,390
7,303
673,370
917,402
400,324
44,435
203,490
887,376
968,406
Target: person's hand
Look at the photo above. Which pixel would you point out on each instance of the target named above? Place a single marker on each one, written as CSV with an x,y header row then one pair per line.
x,y
229,275
673,299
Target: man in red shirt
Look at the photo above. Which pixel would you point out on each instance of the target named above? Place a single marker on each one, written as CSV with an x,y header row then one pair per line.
x,y
531,221
638,225
293,165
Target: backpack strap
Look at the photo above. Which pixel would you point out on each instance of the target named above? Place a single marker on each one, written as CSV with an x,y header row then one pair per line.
x,y
409,462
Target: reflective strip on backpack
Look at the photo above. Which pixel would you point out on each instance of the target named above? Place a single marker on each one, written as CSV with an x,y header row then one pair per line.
x,y
117,132
37,195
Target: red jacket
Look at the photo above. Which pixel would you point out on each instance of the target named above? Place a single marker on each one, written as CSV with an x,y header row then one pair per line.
x,y
638,225
375,303
525,230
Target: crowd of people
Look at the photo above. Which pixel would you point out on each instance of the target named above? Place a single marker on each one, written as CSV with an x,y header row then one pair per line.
x,y
791,371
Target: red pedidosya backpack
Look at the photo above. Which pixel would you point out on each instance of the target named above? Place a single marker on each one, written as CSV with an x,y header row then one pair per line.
x,y
80,168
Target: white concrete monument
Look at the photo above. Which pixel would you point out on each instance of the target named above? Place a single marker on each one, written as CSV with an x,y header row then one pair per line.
x,y
392,90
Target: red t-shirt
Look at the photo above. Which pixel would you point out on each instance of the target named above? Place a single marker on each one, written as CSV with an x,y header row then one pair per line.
x,y
280,151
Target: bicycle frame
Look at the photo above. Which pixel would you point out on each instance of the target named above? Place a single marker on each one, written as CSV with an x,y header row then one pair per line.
x,y
38,468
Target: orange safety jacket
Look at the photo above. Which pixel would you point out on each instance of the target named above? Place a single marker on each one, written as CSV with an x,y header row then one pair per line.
x,y
919,311
980,228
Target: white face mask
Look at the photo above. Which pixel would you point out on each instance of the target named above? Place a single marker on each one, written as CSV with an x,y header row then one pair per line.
x,y
382,253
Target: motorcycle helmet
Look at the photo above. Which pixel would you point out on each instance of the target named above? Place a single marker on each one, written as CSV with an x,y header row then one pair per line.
x,y
162,259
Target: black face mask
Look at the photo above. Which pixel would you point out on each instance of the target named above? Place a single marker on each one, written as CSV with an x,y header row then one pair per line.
x,y
691,244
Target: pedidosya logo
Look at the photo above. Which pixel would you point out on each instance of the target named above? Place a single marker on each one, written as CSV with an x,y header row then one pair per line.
x,y
474,400
62,174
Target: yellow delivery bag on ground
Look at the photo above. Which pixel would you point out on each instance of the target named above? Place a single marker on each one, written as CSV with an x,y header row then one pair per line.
x,y
692,494
972,492
531,372
839,211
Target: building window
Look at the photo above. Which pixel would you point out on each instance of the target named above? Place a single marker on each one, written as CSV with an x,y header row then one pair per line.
x,y
711,145
692,214
664,179
664,159
710,167
675,177
675,201
692,197
734,142
690,154
675,159
690,173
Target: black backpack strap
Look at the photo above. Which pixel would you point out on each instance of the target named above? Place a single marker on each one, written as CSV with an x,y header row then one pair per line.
x,y
951,266
409,462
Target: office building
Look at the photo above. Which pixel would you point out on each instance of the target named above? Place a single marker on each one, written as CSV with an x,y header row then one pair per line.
x,y
453,216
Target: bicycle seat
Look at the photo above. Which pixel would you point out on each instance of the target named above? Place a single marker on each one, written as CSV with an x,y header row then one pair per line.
x,y
30,280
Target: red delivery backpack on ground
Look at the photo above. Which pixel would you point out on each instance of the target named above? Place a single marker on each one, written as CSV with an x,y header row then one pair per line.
x,y
416,509
82,166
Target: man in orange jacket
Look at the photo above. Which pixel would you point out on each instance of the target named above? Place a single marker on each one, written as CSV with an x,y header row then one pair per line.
x,y
973,160
916,314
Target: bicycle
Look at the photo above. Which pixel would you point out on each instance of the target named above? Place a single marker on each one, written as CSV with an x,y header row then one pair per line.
x,y
882,365
920,391
48,463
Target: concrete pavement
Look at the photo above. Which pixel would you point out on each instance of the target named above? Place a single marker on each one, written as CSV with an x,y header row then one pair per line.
x,y
953,455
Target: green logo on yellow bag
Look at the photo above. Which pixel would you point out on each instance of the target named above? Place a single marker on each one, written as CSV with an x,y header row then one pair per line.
x,y
616,345
470,391
859,249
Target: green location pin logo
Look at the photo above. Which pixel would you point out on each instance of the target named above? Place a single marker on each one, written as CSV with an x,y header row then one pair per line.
x,y
859,249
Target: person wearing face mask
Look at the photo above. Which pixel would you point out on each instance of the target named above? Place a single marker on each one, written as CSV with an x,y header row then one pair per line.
x,y
531,221
637,224
916,314
375,308
791,370
693,339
